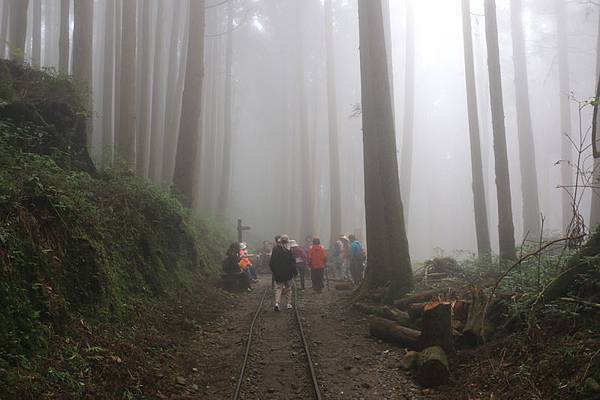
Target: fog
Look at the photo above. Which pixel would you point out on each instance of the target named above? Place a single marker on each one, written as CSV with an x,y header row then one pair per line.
x,y
280,106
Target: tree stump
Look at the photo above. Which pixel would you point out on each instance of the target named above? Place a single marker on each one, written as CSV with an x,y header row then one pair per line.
x,y
437,326
432,367
392,332
476,328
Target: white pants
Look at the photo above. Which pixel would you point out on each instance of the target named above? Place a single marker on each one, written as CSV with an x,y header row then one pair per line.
x,y
281,288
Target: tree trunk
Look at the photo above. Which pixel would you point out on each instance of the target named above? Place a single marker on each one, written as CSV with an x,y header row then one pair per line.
x,y
158,105
565,115
476,328
389,260
18,29
108,125
409,111
595,212
83,34
145,92
4,28
127,114
225,183
335,191
506,231
173,97
529,182
36,37
188,144
390,331
432,367
481,220
64,41
437,326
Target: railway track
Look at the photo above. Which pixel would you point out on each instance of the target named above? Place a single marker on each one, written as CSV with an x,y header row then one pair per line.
x,y
251,340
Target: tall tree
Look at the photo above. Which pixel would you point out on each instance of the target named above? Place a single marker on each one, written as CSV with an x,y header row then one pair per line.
x,y
127,115
36,37
479,202
185,174
506,230
63,41
18,29
389,260
529,182
157,125
409,109
225,184
82,51
566,151
4,28
595,211
108,124
145,92
335,190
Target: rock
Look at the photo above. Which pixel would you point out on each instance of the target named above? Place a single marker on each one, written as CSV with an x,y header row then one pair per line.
x,y
181,380
194,388
365,385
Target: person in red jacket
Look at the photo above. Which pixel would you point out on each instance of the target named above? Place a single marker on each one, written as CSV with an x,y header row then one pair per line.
x,y
317,261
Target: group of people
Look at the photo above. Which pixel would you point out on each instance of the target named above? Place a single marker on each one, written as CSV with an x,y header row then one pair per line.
x,y
287,260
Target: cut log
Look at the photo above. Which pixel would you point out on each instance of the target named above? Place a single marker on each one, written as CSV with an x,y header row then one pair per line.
x,y
392,332
415,310
433,369
426,295
344,286
399,316
409,361
460,310
437,326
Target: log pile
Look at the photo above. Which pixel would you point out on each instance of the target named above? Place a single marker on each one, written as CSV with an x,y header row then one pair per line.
x,y
431,324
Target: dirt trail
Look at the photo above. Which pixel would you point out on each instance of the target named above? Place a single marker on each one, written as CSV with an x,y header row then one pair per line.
x,y
349,364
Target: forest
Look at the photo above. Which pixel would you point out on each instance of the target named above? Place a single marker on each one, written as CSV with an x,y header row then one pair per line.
x,y
430,167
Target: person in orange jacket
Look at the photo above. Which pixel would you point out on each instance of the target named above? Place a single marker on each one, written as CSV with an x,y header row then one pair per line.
x,y
317,261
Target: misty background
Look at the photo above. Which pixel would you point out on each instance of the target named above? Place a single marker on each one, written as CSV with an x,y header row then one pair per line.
x,y
279,93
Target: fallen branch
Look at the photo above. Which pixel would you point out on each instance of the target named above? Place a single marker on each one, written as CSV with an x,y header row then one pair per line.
x,y
581,302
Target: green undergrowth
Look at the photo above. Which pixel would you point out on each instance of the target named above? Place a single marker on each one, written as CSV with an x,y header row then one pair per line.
x,y
77,244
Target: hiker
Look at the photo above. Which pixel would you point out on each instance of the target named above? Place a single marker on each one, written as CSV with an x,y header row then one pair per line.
x,y
283,267
233,273
317,261
357,258
301,262
246,262
344,256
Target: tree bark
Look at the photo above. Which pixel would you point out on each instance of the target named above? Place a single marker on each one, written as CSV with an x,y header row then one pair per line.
x,y
36,37
18,29
481,220
64,40
188,144
108,124
566,150
392,332
145,81
335,191
83,34
389,260
506,231
437,326
4,28
529,182
406,156
595,211
158,104
174,76
127,112
432,367
225,184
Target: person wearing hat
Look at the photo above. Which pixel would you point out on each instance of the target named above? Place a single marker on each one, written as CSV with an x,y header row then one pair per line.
x,y
301,262
283,268
246,262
